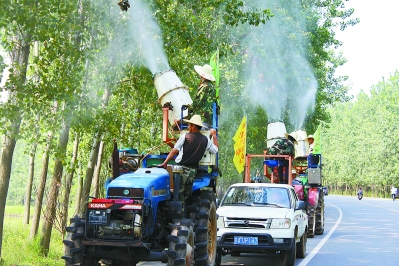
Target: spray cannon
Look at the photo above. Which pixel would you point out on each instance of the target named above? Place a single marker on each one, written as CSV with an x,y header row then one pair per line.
x,y
301,144
277,130
124,5
172,94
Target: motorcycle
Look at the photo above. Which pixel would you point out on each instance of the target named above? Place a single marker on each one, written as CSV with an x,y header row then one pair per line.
x,y
360,195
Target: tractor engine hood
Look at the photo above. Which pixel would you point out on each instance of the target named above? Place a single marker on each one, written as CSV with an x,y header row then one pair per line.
x,y
153,181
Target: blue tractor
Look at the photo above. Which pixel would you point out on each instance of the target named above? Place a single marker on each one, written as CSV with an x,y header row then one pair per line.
x,y
140,219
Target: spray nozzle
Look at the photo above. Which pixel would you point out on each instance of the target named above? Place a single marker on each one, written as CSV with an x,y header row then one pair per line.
x,y
124,5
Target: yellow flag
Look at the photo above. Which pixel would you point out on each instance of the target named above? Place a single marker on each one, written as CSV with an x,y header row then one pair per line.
x,y
240,139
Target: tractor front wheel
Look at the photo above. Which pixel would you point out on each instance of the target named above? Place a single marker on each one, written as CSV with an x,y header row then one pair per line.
x,y
181,243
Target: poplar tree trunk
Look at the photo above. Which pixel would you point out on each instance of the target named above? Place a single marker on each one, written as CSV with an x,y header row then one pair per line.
x,y
5,173
68,183
89,173
19,64
97,170
41,187
50,213
78,190
93,155
28,192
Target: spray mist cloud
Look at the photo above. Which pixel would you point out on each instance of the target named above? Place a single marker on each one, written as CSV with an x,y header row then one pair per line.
x,y
278,75
147,37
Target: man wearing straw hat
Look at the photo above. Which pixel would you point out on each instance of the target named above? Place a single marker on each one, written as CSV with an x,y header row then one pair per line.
x,y
310,139
190,149
206,93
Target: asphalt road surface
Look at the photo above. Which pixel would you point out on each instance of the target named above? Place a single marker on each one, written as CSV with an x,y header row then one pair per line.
x,y
357,232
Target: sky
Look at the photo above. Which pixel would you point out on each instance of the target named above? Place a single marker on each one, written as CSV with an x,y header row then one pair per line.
x,y
372,46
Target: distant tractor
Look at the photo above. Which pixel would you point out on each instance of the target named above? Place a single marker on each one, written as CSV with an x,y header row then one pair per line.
x,y
299,169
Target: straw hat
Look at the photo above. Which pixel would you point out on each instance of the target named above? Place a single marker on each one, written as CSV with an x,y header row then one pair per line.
x,y
205,72
292,136
195,119
310,137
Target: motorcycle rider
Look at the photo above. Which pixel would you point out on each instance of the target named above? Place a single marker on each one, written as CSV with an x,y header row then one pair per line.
x,y
360,193
394,191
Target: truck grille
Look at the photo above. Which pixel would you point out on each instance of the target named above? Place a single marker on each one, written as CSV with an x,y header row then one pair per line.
x,y
247,223
131,193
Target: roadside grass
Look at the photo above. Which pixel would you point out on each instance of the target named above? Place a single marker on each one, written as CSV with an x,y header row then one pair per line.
x,y
19,250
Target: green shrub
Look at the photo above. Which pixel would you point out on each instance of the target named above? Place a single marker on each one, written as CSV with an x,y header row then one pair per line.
x,y
19,250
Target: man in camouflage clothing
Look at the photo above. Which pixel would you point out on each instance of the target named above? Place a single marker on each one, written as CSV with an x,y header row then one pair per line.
x,y
283,146
206,94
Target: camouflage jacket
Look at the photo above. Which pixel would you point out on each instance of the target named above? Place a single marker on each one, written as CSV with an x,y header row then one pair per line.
x,y
205,97
282,147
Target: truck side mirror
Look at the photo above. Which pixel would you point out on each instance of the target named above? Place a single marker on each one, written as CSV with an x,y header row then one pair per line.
x,y
300,205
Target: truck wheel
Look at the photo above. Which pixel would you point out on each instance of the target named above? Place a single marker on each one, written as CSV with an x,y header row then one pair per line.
x,y
202,211
320,214
218,259
311,220
181,243
72,244
301,247
290,255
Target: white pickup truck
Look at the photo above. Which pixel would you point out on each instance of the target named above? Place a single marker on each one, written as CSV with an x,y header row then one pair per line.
x,y
262,218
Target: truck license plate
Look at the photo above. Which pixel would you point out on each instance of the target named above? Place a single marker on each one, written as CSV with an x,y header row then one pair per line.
x,y
245,240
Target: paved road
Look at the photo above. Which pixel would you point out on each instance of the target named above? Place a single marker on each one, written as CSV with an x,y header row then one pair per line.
x,y
356,232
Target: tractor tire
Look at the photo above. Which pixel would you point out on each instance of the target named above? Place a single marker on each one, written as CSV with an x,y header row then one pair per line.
x,y
311,212
202,210
72,244
320,214
181,243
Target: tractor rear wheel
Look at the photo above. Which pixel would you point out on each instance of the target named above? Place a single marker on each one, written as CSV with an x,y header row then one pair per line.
x,y
310,210
320,214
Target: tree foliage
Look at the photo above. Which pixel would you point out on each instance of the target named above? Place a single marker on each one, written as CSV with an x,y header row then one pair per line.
x,y
360,144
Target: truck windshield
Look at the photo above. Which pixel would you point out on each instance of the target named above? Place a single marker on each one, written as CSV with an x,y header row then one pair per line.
x,y
257,196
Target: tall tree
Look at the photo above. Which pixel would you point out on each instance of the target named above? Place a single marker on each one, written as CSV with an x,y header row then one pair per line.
x,y
55,187
12,121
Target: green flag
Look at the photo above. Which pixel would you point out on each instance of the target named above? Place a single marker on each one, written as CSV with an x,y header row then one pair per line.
x,y
214,62
317,141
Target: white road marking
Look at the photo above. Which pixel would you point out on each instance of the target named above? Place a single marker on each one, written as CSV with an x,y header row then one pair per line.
x,y
380,207
323,241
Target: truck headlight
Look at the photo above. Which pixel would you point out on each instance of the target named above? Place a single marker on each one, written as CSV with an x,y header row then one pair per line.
x,y
280,224
220,221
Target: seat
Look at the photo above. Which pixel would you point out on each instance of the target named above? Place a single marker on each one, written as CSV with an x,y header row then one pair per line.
x,y
314,160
